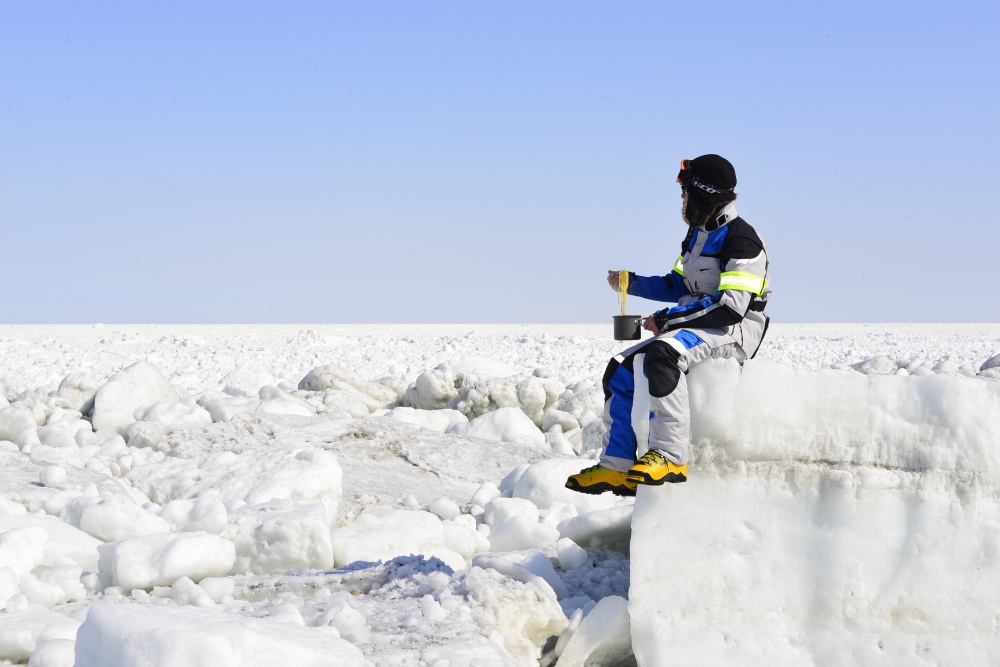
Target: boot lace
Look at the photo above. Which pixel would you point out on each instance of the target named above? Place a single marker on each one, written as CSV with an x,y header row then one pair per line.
x,y
653,457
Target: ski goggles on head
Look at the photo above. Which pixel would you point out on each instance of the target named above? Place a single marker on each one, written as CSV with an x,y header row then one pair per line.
x,y
687,178
685,173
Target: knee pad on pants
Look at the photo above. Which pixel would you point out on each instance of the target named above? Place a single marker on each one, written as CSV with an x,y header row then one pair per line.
x,y
662,369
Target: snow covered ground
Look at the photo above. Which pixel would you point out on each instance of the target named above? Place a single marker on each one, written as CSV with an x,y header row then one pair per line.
x,y
393,495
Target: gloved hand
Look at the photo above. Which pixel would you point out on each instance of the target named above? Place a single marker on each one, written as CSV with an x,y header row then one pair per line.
x,y
613,279
656,322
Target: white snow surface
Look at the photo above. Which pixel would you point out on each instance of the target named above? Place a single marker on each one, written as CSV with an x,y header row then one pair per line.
x,y
314,495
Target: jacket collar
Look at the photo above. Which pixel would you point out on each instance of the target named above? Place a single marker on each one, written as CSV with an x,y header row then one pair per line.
x,y
721,219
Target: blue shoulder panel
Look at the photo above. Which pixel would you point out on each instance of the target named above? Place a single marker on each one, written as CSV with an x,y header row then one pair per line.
x,y
714,243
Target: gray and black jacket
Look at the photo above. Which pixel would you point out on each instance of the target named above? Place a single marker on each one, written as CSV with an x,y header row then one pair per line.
x,y
721,280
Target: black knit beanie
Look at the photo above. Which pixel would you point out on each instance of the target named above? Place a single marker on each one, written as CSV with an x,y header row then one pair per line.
x,y
709,175
715,169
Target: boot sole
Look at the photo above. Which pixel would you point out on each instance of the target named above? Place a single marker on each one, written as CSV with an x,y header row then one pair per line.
x,y
645,478
602,487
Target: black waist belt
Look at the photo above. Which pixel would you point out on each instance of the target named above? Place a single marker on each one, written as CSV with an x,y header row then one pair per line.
x,y
758,306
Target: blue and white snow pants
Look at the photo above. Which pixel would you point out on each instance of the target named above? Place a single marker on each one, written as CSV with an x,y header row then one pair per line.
x,y
646,394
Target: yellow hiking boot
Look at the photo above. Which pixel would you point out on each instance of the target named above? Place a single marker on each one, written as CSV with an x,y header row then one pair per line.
x,y
655,469
598,479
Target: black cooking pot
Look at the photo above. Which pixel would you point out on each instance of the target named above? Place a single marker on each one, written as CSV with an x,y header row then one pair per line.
x,y
628,327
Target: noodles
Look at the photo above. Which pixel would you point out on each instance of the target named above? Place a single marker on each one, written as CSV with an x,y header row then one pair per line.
x,y
622,288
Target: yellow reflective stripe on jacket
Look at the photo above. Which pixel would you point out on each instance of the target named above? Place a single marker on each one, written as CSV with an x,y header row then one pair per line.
x,y
679,264
743,281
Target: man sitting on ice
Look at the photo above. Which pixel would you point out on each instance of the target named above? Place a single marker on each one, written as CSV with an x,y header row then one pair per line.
x,y
720,284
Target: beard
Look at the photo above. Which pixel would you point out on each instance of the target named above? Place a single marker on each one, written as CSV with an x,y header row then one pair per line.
x,y
697,211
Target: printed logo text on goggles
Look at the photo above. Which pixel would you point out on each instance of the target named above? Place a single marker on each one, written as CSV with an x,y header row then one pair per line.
x,y
686,177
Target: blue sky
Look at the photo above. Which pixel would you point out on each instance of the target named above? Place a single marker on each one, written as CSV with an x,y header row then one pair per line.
x,y
397,162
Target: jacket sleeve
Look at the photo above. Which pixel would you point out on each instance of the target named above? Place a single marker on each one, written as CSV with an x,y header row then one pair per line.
x,y
668,288
743,278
